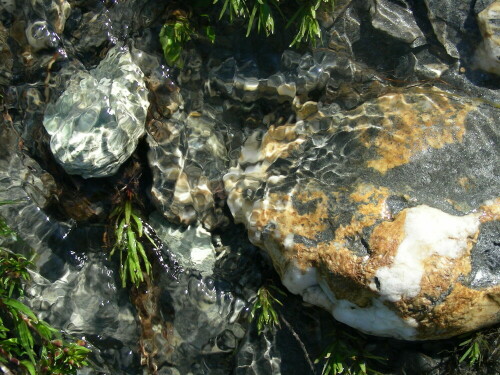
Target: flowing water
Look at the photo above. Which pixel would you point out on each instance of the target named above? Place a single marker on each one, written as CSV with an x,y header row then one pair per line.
x,y
192,316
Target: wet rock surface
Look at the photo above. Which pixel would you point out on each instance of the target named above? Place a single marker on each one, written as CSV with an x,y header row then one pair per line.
x,y
188,158
487,55
366,169
96,123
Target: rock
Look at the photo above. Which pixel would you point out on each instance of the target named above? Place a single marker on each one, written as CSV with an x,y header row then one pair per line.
x,y
92,32
188,158
6,57
385,215
488,53
191,247
243,82
56,12
96,123
40,36
447,19
8,5
396,21
197,321
86,302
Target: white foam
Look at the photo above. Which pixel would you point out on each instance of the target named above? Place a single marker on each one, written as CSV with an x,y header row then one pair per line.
x,y
428,231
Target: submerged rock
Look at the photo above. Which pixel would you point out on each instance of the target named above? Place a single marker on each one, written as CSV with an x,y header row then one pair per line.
x,y
56,12
191,247
40,36
488,53
385,215
188,159
96,123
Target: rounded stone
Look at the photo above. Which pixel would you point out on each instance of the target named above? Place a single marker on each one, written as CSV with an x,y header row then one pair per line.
x,y
96,123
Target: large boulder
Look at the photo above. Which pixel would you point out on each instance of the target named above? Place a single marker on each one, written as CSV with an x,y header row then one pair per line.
x,y
95,125
386,215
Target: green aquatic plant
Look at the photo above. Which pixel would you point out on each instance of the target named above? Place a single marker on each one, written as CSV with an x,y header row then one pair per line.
x,y
263,309
309,29
477,348
129,233
345,355
473,349
259,15
5,231
173,36
29,345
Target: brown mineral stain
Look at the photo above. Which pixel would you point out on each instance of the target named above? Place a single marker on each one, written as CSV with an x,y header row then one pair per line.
x,y
464,310
369,201
465,183
441,272
384,243
280,211
411,124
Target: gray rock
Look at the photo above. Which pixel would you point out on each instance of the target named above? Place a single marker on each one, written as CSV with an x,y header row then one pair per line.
x,y
350,207
448,21
85,302
6,57
96,123
397,21
40,36
55,12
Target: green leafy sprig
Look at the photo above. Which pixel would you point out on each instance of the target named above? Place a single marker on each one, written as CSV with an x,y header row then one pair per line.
x,y
129,232
344,356
173,36
259,15
263,309
476,347
28,344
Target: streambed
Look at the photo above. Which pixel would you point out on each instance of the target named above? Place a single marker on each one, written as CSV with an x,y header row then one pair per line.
x,y
220,135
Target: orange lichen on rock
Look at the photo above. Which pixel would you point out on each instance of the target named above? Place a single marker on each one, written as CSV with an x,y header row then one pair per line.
x,y
348,272
384,242
411,124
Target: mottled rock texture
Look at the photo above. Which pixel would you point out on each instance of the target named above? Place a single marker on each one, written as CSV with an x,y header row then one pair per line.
x,y
386,215
96,123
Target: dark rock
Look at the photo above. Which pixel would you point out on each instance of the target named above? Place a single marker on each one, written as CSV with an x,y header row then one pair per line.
x,y
397,21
